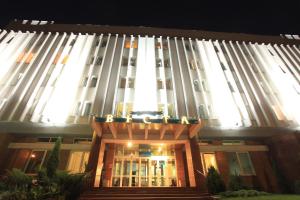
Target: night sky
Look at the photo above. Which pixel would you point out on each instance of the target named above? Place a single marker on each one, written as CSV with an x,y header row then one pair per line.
x,y
270,18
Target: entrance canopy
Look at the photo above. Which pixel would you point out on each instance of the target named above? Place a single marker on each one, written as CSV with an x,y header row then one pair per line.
x,y
146,128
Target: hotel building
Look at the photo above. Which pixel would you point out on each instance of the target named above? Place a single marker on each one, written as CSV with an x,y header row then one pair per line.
x,y
150,107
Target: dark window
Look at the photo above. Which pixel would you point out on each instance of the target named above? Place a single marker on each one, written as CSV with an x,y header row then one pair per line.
x,y
103,44
99,60
124,61
87,109
133,61
158,62
167,63
94,82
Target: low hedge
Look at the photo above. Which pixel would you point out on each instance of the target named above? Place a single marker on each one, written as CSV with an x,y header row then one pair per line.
x,y
243,193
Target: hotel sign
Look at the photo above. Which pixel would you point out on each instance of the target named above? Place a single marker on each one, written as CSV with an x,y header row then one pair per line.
x,y
147,119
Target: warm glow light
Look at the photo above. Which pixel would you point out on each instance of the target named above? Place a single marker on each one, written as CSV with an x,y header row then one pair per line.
x,y
33,155
129,144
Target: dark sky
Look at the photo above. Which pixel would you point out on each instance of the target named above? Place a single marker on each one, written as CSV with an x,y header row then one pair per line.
x,y
264,17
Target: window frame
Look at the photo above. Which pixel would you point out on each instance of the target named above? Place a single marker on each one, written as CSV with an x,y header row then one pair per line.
x,y
241,171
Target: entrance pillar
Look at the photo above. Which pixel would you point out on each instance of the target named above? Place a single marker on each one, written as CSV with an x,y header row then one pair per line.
x,y
180,166
93,158
197,164
190,166
108,165
99,165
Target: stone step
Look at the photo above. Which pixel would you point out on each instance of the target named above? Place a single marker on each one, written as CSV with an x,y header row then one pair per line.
x,y
144,193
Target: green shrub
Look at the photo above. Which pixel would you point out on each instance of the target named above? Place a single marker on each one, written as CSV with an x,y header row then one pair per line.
x,y
53,161
243,193
214,182
18,180
235,183
297,187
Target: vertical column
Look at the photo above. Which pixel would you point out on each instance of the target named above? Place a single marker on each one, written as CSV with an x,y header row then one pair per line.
x,y
93,158
181,180
190,165
108,165
99,165
192,149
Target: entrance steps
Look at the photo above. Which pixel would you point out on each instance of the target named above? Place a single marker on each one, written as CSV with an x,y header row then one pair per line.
x,y
184,193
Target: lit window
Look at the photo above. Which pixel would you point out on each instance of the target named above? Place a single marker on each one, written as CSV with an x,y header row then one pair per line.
x,y
65,59
29,58
35,161
56,58
240,163
209,160
78,161
160,84
129,44
20,57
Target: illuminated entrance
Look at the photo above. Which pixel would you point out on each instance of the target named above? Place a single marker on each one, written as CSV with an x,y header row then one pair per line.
x,y
144,165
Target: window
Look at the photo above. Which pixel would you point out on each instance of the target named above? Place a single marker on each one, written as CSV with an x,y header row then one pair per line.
x,y
92,60
87,108
93,81
99,60
158,45
82,140
20,57
233,142
78,161
196,85
124,61
73,42
103,44
123,83
29,58
65,59
167,63
35,161
240,163
47,139
169,84
55,61
84,82
133,61
158,62
160,84
209,160
129,44
131,83
193,64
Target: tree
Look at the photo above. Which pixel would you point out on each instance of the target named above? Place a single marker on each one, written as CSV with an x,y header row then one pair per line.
x,y
214,182
53,161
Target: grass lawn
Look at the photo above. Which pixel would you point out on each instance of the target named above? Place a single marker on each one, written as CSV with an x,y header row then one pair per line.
x,y
268,197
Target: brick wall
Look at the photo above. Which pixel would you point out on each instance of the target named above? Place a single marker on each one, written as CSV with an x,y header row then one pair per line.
x,y
285,151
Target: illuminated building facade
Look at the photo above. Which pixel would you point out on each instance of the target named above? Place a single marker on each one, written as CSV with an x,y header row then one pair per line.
x,y
149,107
